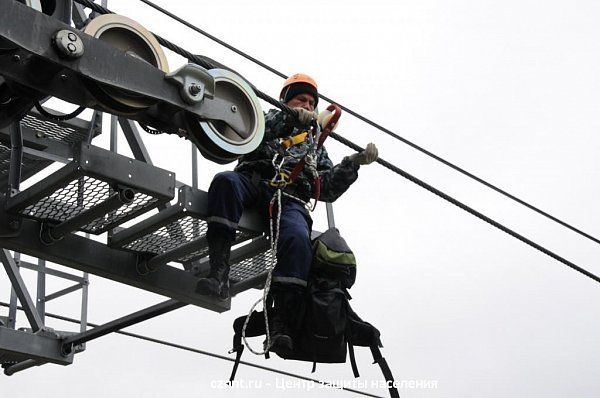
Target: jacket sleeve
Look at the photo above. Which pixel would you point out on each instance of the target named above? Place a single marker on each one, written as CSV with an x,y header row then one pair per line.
x,y
278,124
335,180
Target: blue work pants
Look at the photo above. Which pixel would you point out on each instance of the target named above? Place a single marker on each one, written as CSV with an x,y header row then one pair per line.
x,y
230,193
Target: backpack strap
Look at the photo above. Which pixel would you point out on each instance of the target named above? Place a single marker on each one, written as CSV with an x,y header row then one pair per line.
x,y
353,359
385,369
238,348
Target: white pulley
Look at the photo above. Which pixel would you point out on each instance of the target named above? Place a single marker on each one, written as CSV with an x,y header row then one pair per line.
x,y
127,35
222,142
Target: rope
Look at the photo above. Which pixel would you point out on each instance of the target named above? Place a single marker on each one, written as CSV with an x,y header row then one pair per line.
x,y
274,237
468,209
58,118
377,126
197,351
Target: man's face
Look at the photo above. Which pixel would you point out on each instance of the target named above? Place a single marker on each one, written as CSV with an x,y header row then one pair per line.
x,y
303,100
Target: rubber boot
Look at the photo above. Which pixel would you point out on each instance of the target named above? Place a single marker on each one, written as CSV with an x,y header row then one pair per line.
x,y
287,314
217,282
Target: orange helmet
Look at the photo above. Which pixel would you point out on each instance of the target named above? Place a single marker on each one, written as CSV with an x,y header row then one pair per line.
x,y
299,83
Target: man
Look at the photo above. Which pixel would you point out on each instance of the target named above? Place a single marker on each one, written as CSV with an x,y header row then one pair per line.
x,y
249,185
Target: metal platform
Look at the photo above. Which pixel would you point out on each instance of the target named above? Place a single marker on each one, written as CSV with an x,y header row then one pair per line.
x,y
97,191
179,232
45,141
43,346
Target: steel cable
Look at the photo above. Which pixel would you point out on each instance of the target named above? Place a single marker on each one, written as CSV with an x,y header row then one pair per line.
x,y
192,58
202,352
388,165
468,209
374,124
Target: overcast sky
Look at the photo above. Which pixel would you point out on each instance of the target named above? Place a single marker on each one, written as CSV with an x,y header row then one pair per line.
x,y
507,90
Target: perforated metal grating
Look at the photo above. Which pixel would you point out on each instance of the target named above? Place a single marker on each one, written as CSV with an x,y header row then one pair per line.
x,y
176,234
250,267
53,130
28,163
171,236
80,195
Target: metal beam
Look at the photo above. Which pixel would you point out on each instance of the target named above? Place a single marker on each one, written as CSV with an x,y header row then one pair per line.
x,y
330,218
62,292
21,290
40,303
123,322
194,166
79,16
96,258
84,304
16,158
24,365
12,309
96,66
95,126
45,155
39,346
50,271
134,140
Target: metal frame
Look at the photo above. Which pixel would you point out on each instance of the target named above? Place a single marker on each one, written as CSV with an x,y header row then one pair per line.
x,y
191,203
20,289
72,81
96,258
117,171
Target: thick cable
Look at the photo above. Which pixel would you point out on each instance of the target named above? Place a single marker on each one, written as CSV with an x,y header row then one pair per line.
x,y
193,58
374,124
58,118
468,209
202,352
421,183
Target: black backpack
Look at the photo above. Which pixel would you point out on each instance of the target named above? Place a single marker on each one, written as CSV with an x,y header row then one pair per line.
x,y
330,328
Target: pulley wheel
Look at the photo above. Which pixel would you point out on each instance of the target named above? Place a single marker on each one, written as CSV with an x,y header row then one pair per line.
x,y
131,37
216,140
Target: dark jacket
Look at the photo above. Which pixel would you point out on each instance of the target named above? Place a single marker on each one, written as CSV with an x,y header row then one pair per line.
x,y
335,180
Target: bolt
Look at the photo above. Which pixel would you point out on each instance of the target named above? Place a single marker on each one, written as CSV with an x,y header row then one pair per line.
x,y
233,108
195,89
63,77
39,135
68,44
16,58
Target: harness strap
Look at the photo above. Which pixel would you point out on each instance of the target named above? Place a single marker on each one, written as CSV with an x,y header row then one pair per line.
x,y
295,140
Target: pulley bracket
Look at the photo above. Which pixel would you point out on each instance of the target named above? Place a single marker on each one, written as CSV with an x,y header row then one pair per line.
x,y
194,83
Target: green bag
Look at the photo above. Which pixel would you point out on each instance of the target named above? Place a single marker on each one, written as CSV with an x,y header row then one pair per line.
x,y
333,258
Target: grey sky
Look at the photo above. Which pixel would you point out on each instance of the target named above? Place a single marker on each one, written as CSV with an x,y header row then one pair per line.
x,y
509,91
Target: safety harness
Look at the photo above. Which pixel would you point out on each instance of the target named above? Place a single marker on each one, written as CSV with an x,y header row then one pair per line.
x,y
308,162
280,181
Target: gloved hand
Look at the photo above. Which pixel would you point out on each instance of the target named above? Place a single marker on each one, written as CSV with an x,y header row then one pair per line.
x,y
369,155
304,116
324,117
